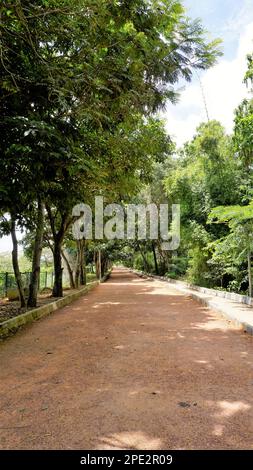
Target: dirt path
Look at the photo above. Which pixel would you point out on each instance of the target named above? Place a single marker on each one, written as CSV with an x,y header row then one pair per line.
x,y
133,365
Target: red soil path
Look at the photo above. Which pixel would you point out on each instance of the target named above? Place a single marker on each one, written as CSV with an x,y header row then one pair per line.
x,y
133,365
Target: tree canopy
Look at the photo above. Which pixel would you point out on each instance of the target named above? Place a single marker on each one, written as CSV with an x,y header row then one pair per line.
x,y
81,81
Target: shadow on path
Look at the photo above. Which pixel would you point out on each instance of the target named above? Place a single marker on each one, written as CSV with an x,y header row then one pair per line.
x,y
133,365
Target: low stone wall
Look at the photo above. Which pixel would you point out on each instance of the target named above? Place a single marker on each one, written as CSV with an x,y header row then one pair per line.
x,y
243,299
10,326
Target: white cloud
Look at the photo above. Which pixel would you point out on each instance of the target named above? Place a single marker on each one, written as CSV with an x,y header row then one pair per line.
x,y
239,18
224,90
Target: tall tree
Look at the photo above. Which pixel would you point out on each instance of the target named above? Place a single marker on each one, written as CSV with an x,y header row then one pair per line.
x,y
202,178
240,238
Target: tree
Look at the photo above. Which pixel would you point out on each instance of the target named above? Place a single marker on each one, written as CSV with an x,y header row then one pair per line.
x,y
38,245
240,222
243,134
201,178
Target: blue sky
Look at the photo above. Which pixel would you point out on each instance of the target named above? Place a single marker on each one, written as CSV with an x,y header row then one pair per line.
x,y
223,18
232,21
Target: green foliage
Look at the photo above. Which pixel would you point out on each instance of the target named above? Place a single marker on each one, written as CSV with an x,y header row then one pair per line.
x,y
243,135
147,266
211,178
249,74
201,177
177,267
80,83
198,269
6,263
233,215
205,164
171,275
238,244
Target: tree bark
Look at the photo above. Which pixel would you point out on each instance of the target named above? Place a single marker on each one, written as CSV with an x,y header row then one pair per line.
x,y
97,260
155,258
16,264
249,273
34,283
70,270
83,276
58,237
78,264
165,259
145,263
58,287
99,265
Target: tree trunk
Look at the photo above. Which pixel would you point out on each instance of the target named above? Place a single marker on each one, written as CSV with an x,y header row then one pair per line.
x,y
78,264
146,266
99,266
58,237
155,258
57,289
97,259
16,265
103,266
34,283
70,271
249,273
83,277
165,259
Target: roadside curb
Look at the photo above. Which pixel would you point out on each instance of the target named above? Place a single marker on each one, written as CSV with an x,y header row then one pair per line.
x,y
11,326
246,327
213,304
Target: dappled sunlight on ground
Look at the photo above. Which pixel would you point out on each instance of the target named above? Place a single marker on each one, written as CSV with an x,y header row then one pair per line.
x,y
108,303
132,365
218,430
129,440
161,291
105,304
214,323
228,409
225,412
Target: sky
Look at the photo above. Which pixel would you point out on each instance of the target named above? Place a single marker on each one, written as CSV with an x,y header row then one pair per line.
x,y
232,21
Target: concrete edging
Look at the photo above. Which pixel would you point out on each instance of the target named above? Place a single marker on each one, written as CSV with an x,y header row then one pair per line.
x,y
9,327
246,327
242,299
211,303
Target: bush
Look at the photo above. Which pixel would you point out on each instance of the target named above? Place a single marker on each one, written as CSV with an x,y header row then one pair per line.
x,y
172,275
139,263
198,270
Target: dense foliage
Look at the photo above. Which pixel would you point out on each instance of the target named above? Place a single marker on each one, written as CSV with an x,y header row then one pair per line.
x,y
80,83
211,178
